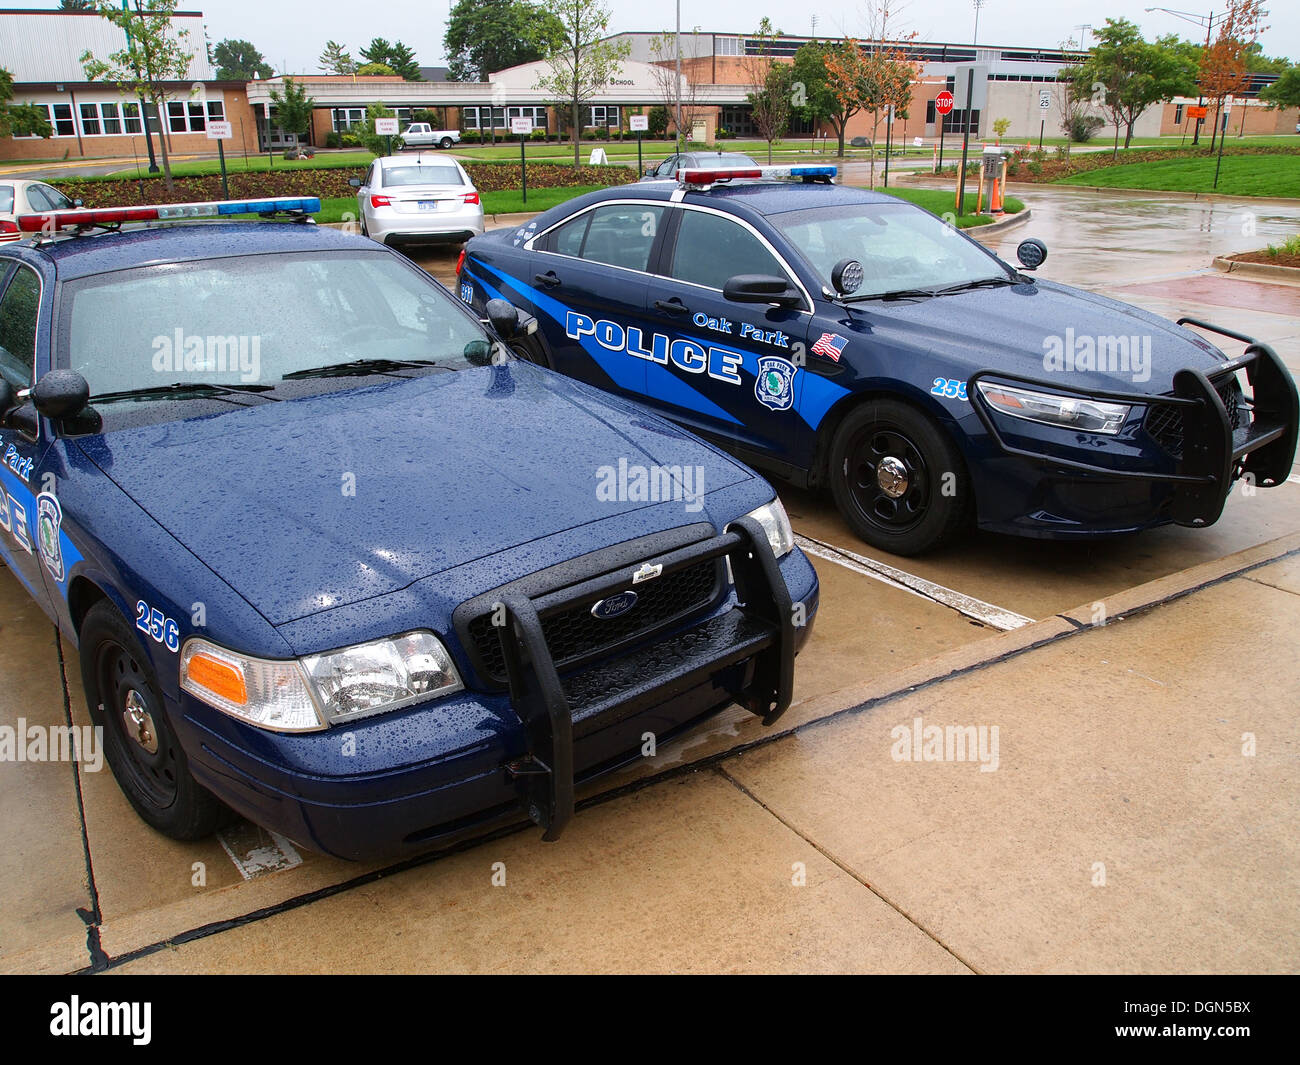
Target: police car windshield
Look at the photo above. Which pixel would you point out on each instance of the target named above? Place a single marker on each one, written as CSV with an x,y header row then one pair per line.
x,y
421,175
899,246
258,319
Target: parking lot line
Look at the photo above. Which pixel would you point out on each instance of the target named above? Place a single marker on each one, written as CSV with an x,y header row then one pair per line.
x,y
986,613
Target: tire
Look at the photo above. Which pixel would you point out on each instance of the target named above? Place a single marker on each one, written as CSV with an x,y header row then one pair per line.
x,y
117,678
909,505
400,144
529,349
445,142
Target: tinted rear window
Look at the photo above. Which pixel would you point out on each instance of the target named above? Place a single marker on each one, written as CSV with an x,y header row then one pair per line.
x,y
6,199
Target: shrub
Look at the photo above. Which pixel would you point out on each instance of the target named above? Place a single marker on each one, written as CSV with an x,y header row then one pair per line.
x,y
333,140
537,135
1083,127
657,120
471,136
602,133
724,134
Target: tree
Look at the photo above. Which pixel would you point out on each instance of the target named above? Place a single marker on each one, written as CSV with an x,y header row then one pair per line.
x,y
76,5
371,69
1224,64
815,100
680,96
584,61
484,36
20,120
240,61
396,56
1125,74
372,141
1285,92
155,52
336,59
771,88
293,108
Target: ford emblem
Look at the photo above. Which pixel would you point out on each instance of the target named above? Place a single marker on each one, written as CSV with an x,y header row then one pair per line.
x,y
614,606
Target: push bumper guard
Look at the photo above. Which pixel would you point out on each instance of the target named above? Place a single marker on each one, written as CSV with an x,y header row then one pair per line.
x,y
762,628
1212,455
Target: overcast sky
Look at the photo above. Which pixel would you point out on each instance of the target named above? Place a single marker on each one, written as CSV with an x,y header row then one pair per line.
x,y
292,33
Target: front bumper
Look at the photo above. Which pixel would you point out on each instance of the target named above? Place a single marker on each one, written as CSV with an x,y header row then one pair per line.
x,y
1067,496
420,779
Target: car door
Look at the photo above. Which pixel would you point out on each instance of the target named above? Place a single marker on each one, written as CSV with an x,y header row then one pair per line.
x,y
21,447
363,193
746,386
588,289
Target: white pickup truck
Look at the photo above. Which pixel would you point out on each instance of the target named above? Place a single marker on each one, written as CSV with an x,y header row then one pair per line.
x,y
422,135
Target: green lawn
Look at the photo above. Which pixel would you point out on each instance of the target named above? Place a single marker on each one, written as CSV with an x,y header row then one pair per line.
x,y
1241,175
254,164
941,202
506,201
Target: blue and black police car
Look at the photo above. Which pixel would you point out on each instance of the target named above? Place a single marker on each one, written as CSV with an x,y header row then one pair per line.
x,y
337,561
843,338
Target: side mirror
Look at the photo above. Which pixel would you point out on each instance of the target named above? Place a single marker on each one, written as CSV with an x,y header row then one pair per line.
x,y
847,276
1032,253
761,288
505,318
355,182
61,394
77,202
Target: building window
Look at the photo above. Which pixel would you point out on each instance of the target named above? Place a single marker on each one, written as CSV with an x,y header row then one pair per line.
x,y
738,121
347,117
600,115
1178,114
728,46
185,117
90,120
537,114
112,123
63,124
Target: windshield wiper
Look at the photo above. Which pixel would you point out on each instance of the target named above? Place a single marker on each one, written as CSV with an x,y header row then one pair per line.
x,y
897,294
180,390
362,367
983,282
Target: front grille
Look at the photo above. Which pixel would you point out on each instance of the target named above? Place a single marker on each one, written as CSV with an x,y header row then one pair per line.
x,y
574,634
1164,421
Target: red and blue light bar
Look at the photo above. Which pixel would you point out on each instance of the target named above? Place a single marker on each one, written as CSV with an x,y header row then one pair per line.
x,y
80,218
710,175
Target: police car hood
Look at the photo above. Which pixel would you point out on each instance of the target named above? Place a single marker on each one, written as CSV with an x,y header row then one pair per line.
x,y
318,502
1025,329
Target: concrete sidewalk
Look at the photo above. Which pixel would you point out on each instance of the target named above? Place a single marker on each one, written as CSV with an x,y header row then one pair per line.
x,y
1134,812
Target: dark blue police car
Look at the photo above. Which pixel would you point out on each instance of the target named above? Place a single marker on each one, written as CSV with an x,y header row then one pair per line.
x,y
335,560
843,338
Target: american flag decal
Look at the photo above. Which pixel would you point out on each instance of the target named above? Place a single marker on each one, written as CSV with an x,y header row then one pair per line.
x,y
831,345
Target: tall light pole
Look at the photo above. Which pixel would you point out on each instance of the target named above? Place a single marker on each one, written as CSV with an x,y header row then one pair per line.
x,y
978,4
1083,28
1209,22
678,46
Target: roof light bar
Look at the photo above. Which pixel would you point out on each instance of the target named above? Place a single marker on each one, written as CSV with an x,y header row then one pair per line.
x,y
701,176
111,216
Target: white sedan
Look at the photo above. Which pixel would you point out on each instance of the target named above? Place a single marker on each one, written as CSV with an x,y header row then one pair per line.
x,y
26,196
418,201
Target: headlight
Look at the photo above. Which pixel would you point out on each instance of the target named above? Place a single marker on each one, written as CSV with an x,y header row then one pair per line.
x,y
319,690
776,524
382,675
1071,412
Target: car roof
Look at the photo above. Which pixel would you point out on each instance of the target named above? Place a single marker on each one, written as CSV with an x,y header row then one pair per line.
x,y
98,253
749,197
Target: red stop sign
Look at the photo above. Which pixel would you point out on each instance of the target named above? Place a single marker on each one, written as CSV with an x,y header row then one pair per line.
x,y
943,102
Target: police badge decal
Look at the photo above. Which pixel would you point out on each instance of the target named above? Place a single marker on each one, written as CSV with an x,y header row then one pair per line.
x,y
774,383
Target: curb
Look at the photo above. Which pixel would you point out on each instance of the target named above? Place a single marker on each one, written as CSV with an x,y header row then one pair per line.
x,y
1263,271
1002,224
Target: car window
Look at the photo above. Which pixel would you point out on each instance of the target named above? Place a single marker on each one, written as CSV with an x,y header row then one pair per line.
x,y
56,200
668,167
18,314
37,199
711,249
421,175
619,234
255,318
898,245
6,199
